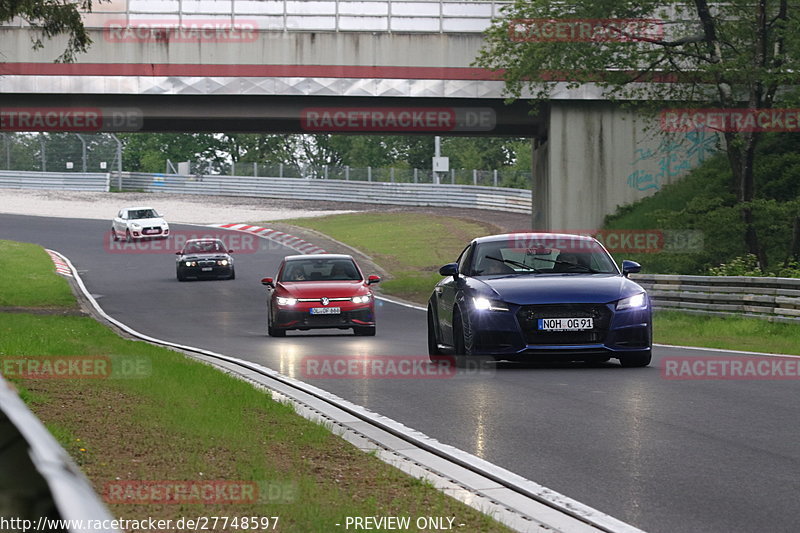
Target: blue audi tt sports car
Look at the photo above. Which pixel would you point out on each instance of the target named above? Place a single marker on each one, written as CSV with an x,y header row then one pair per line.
x,y
536,297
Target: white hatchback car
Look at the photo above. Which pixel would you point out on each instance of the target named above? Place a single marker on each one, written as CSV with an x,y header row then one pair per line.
x,y
139,223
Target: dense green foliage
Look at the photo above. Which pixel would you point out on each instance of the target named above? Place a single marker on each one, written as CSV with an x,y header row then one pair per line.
x,y
704,201
51,18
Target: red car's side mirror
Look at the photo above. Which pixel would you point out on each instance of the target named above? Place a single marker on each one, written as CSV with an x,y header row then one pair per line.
x,y
373,279
269,282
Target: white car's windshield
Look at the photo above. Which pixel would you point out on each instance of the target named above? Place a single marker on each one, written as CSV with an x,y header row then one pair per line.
x,y
136,214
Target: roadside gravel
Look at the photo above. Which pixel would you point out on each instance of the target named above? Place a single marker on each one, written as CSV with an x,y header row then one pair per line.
x,y
196,209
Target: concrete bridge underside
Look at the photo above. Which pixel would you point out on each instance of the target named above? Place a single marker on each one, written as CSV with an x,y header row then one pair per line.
x,y
590,156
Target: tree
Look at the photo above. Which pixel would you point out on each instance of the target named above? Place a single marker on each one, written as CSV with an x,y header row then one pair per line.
x,y
51,18
733,55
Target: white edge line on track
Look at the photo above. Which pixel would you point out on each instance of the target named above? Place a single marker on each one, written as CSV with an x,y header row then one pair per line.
x,y
569,507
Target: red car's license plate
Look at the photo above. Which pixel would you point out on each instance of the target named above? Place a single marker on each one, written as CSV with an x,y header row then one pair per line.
x,y
326,310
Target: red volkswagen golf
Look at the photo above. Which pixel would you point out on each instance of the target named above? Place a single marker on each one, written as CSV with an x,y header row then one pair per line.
x,y
320,291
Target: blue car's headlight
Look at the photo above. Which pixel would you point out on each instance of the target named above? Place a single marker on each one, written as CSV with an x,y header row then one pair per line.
x,y
637,301
485,304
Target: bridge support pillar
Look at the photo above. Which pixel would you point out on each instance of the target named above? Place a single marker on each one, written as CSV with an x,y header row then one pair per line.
x,y
598,156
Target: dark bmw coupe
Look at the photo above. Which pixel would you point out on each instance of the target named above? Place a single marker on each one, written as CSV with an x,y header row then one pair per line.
x,y
204,259
537,297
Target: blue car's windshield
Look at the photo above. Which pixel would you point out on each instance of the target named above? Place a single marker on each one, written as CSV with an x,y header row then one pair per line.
x,y
542,256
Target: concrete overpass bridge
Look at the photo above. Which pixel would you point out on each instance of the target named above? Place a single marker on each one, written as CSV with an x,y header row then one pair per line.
x,y
351,66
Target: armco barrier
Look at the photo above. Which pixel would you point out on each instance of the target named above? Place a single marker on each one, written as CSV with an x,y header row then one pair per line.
x,y
418,194
773,299
38,480
66,181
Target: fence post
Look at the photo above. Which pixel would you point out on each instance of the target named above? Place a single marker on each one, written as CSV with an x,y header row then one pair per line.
x,y
495,177
7,138
280,170
255,169
452,176
391,174
416,175
474,176
347,172
369,173
44,152
326,171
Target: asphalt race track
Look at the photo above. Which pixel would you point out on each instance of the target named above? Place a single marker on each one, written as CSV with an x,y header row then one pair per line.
x,y
663,455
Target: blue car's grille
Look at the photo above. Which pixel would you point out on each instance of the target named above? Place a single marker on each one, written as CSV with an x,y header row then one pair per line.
x,y
528,316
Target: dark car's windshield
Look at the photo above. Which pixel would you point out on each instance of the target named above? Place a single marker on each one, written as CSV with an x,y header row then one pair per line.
x,y
320,270
542,256
204,247
136,214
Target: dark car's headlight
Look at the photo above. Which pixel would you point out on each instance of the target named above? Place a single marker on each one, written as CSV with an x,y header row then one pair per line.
x,y
222,262
191,263
485,304
637,301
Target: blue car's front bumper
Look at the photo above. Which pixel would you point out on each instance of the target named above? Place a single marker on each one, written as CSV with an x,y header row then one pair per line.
x,y
514,334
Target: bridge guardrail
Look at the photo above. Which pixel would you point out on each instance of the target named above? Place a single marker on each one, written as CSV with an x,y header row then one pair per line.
x,y
444,195
65,181
415,16
773,299
38,479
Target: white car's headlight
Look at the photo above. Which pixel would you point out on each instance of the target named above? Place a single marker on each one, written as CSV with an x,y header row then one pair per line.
x,y
360,299
637,301
485,304
286,301
135,225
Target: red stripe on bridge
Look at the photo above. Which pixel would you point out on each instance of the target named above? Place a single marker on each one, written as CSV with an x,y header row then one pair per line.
x,y
266,71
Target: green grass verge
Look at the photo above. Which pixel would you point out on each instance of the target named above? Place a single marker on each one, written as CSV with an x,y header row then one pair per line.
x,y
733,333
410,246
29,278
179,419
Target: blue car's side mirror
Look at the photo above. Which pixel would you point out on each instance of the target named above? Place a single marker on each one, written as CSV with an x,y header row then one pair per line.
x,y
630,267
450,269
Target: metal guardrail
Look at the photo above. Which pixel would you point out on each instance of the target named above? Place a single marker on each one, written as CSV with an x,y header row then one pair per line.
x,y
38,479
64,181
467,196
773,299
439,16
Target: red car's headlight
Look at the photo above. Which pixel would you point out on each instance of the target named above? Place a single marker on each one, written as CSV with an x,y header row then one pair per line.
x,y
360,299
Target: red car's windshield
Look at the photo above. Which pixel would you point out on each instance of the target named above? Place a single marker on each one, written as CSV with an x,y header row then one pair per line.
x,y
320,270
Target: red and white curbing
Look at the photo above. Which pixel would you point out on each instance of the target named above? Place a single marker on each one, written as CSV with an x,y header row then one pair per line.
x,y
61,267
290,241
